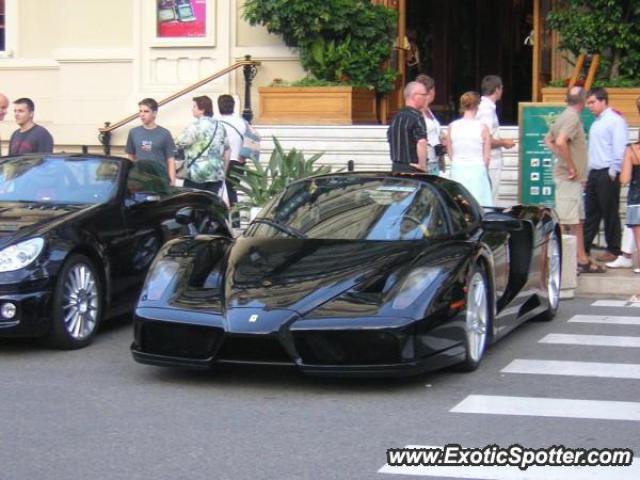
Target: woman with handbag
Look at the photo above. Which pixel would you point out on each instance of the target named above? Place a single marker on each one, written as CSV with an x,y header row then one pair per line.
x,y
206,149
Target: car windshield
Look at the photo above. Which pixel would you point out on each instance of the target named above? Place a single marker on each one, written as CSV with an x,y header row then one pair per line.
x,y
58,180
352,207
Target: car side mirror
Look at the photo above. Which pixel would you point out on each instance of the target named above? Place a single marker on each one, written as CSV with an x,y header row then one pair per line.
x,y
144,197
497,221
184,216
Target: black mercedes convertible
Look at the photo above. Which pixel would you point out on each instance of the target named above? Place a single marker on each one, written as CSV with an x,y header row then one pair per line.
x,y
77,236
353,274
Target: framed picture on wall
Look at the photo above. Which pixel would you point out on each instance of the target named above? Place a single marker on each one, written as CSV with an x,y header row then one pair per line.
x,y
184,23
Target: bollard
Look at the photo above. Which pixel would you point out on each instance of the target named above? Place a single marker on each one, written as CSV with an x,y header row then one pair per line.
x,y
569,270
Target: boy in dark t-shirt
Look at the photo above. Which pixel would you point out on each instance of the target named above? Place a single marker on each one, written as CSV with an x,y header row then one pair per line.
x,y
29,138
150,141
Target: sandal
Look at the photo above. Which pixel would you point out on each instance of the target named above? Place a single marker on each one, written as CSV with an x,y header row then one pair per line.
x,y
591,267
636,270
635,299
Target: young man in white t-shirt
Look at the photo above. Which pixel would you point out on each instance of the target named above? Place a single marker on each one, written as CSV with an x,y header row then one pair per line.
x,y
235,127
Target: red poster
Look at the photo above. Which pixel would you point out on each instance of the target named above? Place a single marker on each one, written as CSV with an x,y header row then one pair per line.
x,y
182,18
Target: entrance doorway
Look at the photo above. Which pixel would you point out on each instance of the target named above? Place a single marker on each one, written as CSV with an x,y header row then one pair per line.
x,y
461,41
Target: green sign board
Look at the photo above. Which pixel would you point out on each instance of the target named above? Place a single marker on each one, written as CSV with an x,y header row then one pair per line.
x,y
536,185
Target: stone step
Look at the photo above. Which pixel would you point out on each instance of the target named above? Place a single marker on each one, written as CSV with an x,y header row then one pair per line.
x,y
619,282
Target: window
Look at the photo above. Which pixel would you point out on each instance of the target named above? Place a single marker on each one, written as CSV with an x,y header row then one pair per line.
x,y
2,28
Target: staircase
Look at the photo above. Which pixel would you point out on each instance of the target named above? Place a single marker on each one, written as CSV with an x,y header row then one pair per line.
x,y
367,146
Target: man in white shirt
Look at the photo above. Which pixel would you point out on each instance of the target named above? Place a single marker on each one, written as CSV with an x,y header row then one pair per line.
x,y
491,93
235,127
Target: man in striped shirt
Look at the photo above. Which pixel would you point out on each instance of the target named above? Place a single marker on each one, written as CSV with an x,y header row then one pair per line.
x,y
407,134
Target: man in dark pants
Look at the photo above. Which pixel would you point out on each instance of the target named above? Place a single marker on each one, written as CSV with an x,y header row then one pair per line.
x,y
407,134
236,127
608,137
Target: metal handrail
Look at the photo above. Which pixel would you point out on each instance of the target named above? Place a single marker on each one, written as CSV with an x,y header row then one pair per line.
x,y
249,66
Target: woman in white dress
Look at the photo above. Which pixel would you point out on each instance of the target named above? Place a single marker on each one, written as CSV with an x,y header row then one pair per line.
x,y
434,166
469,147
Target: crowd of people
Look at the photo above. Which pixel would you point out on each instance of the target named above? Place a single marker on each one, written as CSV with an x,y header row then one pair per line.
x,y
588,175
210,146
418,143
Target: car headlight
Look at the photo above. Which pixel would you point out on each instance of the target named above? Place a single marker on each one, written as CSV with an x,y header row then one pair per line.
x,y
414,285
18,256
159,278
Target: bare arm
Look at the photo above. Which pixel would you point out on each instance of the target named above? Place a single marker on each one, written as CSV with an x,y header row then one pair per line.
x,y
171,168
422,153
560,148
486,145
226,156
502,143
447,142
627,166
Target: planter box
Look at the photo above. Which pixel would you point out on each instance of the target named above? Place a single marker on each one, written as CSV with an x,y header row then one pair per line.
x,y
622,99
317,106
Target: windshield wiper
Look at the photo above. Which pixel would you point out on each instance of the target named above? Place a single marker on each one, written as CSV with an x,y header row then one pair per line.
x,y
283,228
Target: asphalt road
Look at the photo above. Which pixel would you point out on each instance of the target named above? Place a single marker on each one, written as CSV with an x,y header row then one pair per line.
x,y
96,414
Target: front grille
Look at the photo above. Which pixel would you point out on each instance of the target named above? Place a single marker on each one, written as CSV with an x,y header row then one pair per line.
x,y
349,347
179,340
253,348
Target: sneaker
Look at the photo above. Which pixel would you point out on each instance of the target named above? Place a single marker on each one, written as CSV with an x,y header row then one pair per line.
x,y
606,257
621,262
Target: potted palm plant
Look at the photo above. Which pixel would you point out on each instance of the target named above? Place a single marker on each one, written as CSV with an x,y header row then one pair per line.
x,y
343,46
261,182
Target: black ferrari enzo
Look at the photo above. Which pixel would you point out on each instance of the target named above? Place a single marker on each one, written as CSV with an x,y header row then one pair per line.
x,y
353,274
77,236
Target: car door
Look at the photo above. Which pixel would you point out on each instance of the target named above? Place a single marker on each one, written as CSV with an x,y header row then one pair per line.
x,y
149,206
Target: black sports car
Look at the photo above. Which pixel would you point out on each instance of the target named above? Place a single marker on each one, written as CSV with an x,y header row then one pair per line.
x,y
77,236
353,274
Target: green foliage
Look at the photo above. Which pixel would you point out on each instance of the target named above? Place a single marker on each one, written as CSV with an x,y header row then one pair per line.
x,y
261,183
608,27
345,41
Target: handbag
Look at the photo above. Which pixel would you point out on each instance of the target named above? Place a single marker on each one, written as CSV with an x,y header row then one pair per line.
x,y
182,169
250,143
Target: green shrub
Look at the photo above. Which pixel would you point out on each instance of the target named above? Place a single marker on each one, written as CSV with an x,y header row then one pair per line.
x,y
607,27
344,41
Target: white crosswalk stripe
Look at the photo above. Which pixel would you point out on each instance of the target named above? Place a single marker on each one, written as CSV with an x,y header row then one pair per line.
x,y
549,407
605,320
578,369
592,340
615,303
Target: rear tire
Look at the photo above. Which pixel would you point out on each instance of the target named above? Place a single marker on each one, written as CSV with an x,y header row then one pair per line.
x,y
477,319
77,304
552,278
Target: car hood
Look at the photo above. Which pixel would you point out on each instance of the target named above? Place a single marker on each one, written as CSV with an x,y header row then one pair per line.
x,y
300,274
21,220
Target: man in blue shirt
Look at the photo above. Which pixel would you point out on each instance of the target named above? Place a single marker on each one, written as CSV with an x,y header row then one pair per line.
x,y
608,138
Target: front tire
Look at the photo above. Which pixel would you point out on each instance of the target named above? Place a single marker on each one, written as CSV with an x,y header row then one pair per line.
x,y
552,277
477,319
77,304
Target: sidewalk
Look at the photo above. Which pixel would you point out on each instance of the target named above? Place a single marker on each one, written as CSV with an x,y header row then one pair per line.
x,y
618,282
